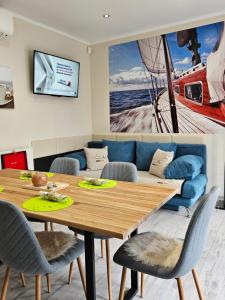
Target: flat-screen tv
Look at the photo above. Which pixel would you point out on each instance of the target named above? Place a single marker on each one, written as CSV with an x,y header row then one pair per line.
x,y
55,76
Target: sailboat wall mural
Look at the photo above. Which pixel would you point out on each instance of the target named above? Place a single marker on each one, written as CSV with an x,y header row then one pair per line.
x,y
172,83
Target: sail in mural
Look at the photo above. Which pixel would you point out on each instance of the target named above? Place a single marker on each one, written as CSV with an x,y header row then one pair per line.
x,y
169,83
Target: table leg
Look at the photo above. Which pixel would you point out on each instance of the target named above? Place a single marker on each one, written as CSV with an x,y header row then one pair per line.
x,y
134,280
90,265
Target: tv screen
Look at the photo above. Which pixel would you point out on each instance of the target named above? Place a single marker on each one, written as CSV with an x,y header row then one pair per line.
x,y
55,75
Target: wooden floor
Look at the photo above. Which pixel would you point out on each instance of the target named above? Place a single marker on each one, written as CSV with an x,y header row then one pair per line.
x,y
211,268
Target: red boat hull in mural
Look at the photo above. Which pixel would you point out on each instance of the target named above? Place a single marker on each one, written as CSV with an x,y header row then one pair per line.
x,y
191,89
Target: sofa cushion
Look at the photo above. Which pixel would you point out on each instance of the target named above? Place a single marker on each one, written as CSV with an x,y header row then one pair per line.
x,y
96,158
81,157
193,187
145,152
184,167
121,150
160,161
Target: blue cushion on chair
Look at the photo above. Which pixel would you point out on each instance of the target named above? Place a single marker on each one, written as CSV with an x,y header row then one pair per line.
x,y
184,167
81,157
121,150
146,151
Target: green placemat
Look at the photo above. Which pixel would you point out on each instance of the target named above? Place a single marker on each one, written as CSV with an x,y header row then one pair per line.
x,y
1,188
39,204
108,185
49,174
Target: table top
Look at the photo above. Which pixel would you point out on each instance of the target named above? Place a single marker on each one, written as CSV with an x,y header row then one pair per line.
x,y
115,212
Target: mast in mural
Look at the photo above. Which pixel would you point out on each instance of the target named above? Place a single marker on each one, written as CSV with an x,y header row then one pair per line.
x,y
156,58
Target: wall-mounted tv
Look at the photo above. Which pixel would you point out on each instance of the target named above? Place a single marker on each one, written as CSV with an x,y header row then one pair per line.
x,y
55,76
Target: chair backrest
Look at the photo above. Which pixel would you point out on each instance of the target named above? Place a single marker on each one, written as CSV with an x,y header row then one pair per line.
x,y
196,234
122,171
65,165
19,248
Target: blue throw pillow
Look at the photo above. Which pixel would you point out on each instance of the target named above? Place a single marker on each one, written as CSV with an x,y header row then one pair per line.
x,y
146,151
81,157
120,150
184,167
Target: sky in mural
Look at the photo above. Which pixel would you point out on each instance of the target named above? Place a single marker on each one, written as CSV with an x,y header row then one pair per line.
x,y
126,67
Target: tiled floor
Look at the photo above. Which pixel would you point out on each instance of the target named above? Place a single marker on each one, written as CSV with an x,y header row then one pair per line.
x,y
211,267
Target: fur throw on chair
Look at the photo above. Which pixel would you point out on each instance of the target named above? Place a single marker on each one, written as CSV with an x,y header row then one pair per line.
x,y
55,243
155,249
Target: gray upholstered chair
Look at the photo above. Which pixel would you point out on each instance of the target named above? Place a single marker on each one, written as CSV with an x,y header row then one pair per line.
x,y
65,165
189,254
21,251
121,171
61,165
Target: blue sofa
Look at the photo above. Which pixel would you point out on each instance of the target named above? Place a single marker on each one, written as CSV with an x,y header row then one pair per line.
x,y
140,153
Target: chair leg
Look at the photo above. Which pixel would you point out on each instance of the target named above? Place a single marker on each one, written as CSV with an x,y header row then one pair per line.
x,y
102,249
122,285
180,288
38,287
197,284
51,226
49,284
23,280
109,272
70,273
46,226
82,275
5,283
142,284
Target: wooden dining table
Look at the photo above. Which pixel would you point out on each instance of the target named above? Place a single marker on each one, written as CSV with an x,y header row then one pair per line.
x,y
115,212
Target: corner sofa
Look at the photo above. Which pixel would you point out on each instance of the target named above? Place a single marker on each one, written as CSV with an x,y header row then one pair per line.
x,y
141,153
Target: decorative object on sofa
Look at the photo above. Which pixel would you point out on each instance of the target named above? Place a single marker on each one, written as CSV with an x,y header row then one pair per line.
x,y
186,260
120,150
65,165
169,83
39,179
31,260
121,171
96,158
6,88
184,167
145,152
160,161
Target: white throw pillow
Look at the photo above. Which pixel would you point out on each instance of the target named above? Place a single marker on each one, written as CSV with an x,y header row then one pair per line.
x,y
97,158
160,161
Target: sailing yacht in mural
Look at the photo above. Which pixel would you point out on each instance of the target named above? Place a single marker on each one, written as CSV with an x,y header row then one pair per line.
x,y
187,101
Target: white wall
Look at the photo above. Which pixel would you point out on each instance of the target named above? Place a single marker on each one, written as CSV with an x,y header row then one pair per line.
x,y
39,117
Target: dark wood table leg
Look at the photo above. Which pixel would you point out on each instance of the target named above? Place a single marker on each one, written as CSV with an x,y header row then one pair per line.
x,y
134,280
90,265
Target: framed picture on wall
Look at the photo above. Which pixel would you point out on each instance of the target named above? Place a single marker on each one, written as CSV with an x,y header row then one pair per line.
x,y
6,88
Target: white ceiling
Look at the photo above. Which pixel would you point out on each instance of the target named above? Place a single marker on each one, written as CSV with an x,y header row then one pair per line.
x,y
83,19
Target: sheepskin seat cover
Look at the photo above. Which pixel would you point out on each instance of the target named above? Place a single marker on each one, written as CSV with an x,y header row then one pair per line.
x,y
155,249
55,243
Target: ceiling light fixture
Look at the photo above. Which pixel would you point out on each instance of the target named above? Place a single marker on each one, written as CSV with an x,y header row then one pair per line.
x,y
106,16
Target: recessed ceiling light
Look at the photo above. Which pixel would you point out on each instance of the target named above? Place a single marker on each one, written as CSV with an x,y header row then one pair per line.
x,y
106,16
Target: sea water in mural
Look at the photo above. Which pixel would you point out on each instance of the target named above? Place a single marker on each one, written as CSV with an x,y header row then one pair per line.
x,y
6,88
169,83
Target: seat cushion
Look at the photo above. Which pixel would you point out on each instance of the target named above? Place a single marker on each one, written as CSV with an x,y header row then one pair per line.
x,y
81,157
184,167
151,253
121,150
55,243
145,152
